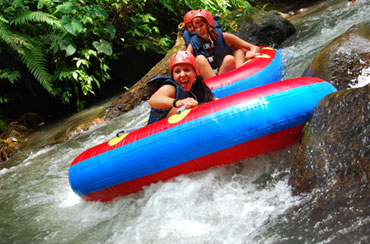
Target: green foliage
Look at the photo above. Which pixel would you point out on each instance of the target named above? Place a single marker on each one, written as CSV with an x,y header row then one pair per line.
x,y
11,75
29,53
66,47
216,7
2,126
140,20
37,17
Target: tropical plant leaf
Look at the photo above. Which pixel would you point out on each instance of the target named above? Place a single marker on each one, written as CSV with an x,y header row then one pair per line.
x,y
167,5
11,38
103,47
34,59
2,125
96,10
72,25
5,21
39,17
11,75
67,8
110,29
31,55
70,48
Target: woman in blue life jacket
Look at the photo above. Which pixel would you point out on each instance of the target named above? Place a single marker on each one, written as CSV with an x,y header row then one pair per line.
x,y
217,52
189,30
184,88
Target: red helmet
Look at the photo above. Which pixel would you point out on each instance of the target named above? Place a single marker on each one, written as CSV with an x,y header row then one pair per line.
x,y
205,14
183,57
188,17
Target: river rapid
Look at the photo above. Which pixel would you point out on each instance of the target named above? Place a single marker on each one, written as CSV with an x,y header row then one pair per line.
x,y
227,204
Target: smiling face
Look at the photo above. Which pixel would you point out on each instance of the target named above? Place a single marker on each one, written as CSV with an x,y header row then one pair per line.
x,y
200,26
184,75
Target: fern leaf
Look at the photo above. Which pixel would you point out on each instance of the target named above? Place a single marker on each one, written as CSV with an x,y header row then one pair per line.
x,y
36,63
2,19
38,17
14,40
31,55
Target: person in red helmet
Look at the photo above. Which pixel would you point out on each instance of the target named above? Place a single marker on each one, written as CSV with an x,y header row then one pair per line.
x,y
184,88
189,30
187,20
217,52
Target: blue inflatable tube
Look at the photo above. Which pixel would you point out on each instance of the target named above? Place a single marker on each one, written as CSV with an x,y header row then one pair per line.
x,y
242,125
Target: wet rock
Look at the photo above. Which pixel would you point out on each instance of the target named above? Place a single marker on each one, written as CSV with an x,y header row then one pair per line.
x,y
31,120
265,28
327,218
335,148
332,163
343,60
74,130
11,139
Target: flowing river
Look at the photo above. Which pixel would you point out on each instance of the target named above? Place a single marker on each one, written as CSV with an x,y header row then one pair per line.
x,y
227,204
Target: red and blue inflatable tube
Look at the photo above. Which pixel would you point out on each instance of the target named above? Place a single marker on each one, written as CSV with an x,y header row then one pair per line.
x,y
264,69
224,131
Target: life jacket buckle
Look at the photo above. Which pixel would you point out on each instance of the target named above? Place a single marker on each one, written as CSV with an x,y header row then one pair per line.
x,y
211,59
208,45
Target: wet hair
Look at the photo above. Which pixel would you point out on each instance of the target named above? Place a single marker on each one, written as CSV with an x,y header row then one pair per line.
x,y
202,92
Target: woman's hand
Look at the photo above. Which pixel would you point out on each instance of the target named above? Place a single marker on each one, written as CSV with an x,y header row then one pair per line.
x,y
187,102
250,54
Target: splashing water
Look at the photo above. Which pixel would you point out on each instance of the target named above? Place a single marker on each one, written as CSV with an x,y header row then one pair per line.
x,y
363,79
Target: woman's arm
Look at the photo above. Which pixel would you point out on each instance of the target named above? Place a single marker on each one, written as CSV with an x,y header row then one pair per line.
x,y
164,98
190,49
238,43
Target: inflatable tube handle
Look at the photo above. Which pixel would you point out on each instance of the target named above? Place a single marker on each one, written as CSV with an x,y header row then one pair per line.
x,y
119,133
182,108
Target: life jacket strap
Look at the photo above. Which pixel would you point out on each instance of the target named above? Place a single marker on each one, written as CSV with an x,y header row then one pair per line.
x,y
210,44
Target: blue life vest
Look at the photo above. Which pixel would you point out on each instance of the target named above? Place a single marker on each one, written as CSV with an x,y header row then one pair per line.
x,y
187,35
220,49
154,84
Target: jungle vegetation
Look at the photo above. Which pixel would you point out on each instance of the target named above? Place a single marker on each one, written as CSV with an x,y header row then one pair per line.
x,y
60,52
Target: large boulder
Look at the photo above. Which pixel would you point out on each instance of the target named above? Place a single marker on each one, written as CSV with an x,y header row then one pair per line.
x,y
265,28
335,148
343,60
332,163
